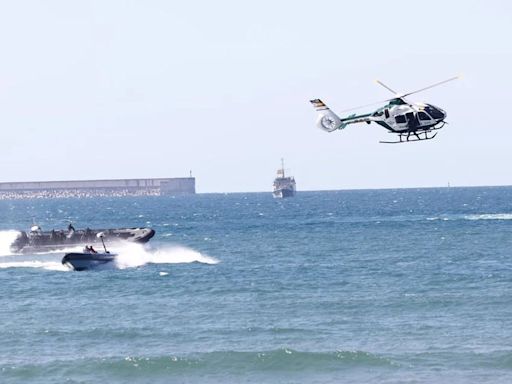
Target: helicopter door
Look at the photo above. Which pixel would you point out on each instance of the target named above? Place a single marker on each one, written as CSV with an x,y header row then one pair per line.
x,y
423,116
412,120
400,119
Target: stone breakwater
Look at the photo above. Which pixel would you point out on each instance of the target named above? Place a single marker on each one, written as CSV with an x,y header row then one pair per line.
x,y
63,194
97,188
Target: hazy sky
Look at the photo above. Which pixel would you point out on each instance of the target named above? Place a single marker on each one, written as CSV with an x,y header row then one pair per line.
x,y
129,89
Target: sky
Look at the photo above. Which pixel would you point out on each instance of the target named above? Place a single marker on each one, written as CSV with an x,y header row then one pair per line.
x,y
139,89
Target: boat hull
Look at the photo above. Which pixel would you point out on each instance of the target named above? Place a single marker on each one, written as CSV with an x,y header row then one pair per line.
x,y
39,241
85,261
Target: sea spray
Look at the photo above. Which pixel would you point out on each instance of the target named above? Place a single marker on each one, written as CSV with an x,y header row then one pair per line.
x,y
136,255
49,265
6,239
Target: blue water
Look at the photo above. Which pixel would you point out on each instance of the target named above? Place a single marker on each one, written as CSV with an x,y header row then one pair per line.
x,y
388,286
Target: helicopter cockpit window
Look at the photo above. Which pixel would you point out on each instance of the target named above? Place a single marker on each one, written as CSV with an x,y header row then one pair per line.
x,y
400,119
423,116
386,113
434,112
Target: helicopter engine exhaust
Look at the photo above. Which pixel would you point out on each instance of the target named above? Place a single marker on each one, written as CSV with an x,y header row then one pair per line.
x,y
327,120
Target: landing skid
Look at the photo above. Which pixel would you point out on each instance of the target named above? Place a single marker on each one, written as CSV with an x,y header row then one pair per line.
x,y
410,137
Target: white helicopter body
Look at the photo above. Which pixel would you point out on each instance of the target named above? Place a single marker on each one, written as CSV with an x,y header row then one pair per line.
x,y
398,116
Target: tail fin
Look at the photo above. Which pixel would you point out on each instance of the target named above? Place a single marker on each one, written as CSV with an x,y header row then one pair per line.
x,y
327,119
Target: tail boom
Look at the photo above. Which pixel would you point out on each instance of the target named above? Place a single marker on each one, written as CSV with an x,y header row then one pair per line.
x,y
328,121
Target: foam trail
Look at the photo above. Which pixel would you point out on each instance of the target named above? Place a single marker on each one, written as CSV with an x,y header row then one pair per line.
x,y
6,239
50,262
490,216
49,265
135,255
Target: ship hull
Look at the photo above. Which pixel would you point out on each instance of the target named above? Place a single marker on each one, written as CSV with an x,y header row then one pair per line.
x,y
40,241
283,193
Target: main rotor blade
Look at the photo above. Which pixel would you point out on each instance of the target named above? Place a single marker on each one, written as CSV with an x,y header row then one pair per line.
x,y
364,106
398,95
385,86
431,86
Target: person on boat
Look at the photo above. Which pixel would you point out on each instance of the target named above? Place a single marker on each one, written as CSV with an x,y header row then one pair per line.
x,y
89,249
71,231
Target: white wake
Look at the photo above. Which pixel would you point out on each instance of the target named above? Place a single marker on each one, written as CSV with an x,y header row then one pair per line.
x,y
48,265
6,239
135,255
129,256
490,216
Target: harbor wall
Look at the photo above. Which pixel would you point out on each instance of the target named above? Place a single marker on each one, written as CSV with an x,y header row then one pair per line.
x,y
111,187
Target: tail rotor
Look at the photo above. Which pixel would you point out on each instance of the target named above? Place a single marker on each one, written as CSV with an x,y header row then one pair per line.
x,y
327,120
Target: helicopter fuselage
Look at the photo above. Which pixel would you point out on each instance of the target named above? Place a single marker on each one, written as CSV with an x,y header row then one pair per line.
x,y
402,117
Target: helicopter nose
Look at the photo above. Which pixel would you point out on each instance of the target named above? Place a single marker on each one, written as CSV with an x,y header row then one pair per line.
x,y
436,112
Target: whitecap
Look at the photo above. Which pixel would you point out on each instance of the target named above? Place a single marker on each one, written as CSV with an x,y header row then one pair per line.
x,y
490,216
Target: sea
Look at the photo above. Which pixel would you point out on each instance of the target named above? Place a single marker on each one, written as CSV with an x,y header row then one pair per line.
x,y
355,286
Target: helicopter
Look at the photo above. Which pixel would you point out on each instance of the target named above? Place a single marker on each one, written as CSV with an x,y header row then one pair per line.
x,y
410,121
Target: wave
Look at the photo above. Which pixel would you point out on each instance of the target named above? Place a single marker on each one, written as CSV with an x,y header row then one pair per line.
x,y
275,360
280,365
225,363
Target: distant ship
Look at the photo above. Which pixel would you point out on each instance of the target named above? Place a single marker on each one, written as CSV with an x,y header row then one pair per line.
x,y
283,186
